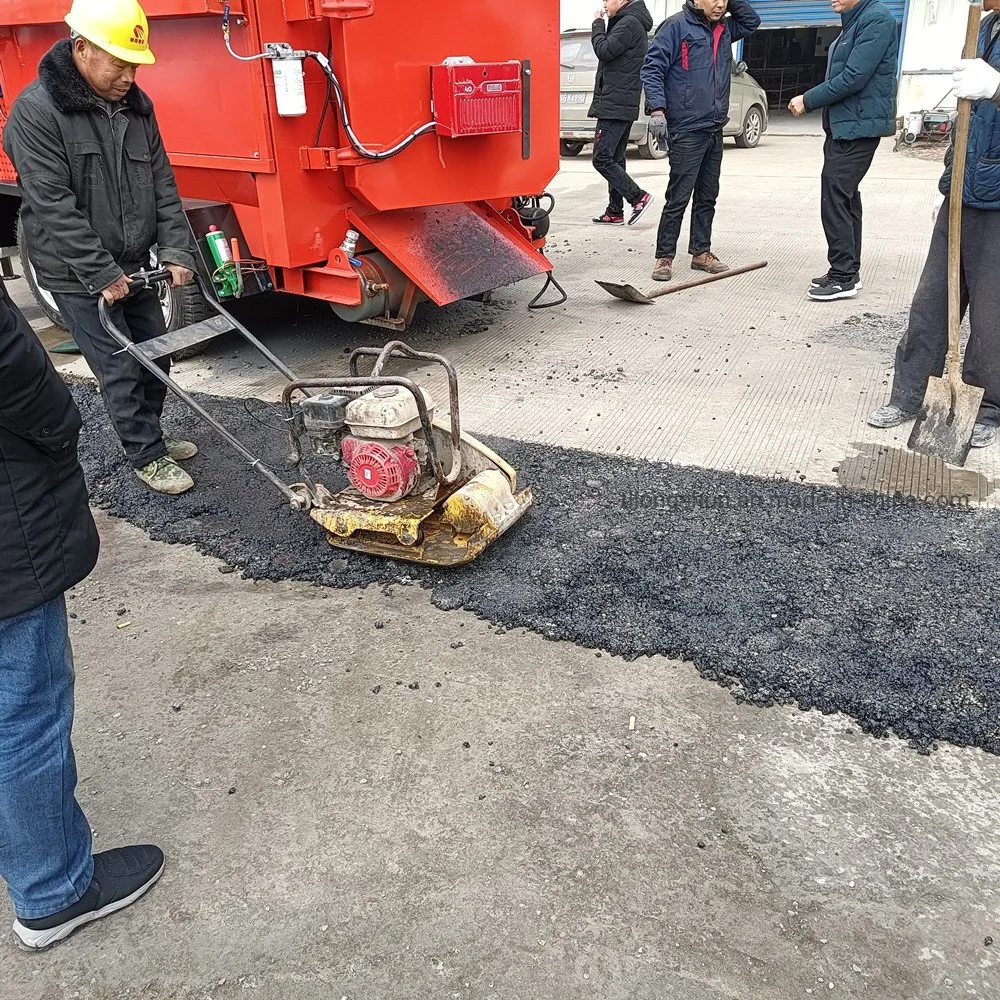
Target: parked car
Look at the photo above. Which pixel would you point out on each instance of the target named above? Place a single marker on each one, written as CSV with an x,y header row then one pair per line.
x,y
578,74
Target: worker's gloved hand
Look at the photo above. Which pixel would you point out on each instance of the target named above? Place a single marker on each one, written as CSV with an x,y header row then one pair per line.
x,y
975,80
936,207
658,126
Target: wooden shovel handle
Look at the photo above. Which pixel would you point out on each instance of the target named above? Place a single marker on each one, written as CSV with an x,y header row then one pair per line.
x,y
960,149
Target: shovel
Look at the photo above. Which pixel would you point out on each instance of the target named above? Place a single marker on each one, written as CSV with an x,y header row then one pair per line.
x,y
629,293
945,423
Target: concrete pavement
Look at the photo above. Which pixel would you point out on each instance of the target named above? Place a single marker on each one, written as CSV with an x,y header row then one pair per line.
x,y
329,832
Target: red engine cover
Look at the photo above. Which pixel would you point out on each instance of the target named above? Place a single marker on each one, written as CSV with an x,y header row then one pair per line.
x,y
379,471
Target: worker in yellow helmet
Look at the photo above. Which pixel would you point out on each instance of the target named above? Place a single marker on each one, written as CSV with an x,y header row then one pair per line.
x,y
98,194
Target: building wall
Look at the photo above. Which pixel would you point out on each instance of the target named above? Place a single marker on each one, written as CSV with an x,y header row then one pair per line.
x,y
935,31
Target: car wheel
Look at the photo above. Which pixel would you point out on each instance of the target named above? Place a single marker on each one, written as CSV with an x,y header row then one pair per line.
x,y
181,306
567,147
753,129
652,148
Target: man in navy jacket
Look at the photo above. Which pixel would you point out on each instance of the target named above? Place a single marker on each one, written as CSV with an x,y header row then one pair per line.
x,y
922,350
858,99
687,77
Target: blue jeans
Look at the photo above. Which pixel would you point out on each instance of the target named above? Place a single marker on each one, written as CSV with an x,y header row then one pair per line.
x,y
45,840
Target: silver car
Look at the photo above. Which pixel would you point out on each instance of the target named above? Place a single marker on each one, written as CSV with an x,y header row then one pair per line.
x,y
578,72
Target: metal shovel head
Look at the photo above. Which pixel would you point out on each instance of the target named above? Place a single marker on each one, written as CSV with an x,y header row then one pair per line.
x,y
627,293
944,425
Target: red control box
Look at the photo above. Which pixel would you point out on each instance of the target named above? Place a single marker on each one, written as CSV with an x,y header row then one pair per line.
x,y
477,98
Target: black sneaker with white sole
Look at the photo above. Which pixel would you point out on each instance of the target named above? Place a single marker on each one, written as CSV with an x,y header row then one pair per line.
x,y
834,290
825,279
120,877
639,208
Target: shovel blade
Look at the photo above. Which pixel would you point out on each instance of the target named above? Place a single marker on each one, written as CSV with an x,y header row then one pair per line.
x,y
627,293
945,423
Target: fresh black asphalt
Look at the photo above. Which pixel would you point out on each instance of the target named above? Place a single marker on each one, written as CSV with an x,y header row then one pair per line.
x,y
882,608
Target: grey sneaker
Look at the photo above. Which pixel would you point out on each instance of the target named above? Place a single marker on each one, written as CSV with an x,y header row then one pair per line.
x,y
983,435
889,416
165,476
180,451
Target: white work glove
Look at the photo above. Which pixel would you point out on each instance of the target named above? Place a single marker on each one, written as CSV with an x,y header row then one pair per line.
x,y
975,80
936,207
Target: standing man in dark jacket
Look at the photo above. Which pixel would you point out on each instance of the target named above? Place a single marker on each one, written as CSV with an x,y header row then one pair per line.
x,y
688,76
923,348
858,99
48,543
97,195
620,48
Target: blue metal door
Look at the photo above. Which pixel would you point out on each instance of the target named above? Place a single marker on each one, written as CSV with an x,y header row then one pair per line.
x,y
809,13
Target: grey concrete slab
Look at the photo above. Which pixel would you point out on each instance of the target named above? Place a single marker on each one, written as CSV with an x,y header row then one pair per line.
x,y
532,820
746,374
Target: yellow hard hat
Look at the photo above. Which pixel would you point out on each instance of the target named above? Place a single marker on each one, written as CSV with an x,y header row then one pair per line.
x,y
117,26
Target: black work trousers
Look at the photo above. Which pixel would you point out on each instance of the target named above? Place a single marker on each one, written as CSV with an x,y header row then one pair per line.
x,y
923,348
695,169
610,146
133,397
845,163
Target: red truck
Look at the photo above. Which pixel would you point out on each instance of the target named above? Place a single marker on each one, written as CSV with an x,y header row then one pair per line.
x,y
370,153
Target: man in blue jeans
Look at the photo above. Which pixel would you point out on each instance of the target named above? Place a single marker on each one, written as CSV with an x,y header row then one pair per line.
x,y
48,543
687,77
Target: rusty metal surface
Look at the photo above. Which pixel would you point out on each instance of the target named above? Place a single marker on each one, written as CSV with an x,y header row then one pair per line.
x,y
627,293
452,252
439,545
945,423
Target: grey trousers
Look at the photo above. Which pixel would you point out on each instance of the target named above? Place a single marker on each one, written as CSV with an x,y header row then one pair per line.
x,y
922,350
133,397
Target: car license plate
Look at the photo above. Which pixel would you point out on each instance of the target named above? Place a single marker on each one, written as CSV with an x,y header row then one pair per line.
x,y
574,97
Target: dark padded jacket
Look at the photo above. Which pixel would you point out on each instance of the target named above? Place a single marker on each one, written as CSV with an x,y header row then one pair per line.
x,y
48,539
620,49
982,166
688,72
98,191
860,90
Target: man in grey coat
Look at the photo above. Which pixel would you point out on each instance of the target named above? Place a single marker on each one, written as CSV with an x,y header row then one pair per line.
x,y
98,194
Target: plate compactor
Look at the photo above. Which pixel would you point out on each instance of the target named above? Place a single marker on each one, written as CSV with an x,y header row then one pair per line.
x,y
419,488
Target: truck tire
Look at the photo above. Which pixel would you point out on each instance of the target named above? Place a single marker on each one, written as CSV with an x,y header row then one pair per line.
x,y
568,147
181,306
753,128
189,306
650,148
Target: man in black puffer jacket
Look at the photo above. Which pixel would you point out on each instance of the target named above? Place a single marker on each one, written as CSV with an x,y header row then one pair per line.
x,y
48,543
620,47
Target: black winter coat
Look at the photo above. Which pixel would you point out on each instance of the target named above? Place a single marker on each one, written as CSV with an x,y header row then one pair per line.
x,y
48,539
620,49
97,190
